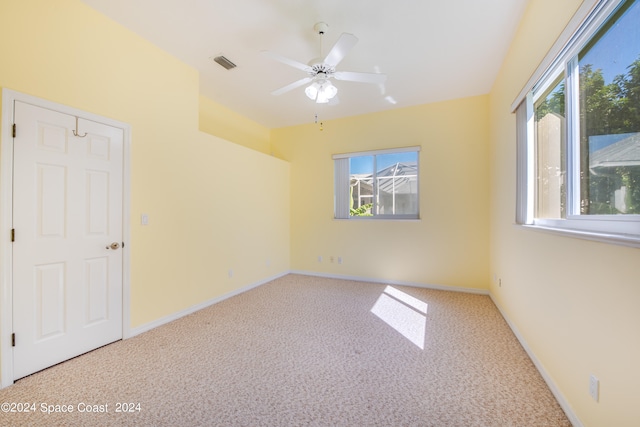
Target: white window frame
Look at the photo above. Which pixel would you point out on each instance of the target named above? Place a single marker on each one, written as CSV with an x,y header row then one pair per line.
x,y
616,229
342,182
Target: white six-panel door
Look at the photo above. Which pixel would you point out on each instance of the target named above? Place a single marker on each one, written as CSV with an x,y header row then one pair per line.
x,y
67,213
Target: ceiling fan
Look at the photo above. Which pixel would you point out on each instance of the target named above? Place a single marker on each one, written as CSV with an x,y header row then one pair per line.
x,y
320,71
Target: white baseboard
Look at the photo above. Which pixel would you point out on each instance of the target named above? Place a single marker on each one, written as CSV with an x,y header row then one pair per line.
x,y
159,322
394,282
564,404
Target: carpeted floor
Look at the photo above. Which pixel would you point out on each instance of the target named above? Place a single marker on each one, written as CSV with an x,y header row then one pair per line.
x,y
305,351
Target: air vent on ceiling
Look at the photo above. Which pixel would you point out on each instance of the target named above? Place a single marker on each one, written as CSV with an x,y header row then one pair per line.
x,y
224,62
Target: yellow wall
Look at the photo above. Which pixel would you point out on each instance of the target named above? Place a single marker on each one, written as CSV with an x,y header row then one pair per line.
x,y
448,246
212,205
215,205
227,124
575,302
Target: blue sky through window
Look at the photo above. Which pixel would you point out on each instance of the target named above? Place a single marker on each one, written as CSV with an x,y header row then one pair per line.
x,y
614,52
364,164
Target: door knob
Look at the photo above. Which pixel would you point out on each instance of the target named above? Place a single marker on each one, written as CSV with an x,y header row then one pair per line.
x,y
114,246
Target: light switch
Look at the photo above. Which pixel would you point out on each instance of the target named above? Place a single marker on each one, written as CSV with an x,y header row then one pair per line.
x,y
144,219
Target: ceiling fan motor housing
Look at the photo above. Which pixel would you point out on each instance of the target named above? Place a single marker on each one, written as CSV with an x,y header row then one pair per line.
x,y
320,67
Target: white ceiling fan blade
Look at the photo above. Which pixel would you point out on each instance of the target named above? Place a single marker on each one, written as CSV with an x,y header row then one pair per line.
x,y
391,100
339,50
381,86
360,77
291,86
287,61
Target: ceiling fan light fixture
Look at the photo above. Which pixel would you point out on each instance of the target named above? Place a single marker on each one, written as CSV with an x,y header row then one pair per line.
x,y
321,92
312,91
329,90
322,98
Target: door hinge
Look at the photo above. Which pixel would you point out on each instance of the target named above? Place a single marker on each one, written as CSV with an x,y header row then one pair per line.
x,y
13,234
13,130
13,339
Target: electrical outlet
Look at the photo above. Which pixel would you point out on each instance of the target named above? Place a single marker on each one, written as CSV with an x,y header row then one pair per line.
x,y
331,259
594,387
319,258
230,273
339,260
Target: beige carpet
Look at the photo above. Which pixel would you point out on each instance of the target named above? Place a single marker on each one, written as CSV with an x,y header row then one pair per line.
x,y
307,351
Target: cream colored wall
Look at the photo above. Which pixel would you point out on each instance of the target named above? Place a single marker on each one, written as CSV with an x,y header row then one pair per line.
x,y
227,124
575,302
448,246
213,205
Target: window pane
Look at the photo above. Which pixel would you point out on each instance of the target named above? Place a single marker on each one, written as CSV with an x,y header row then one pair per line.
x,y
380,183
397,184
550,152
361,185
610,117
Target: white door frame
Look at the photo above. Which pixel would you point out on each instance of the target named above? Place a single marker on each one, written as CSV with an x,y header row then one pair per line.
x,y
6,212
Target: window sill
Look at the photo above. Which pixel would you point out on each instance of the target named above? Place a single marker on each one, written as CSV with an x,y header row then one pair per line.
x,y
611,238
375,219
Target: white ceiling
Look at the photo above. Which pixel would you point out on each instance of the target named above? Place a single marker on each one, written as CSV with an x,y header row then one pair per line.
x,y
431,50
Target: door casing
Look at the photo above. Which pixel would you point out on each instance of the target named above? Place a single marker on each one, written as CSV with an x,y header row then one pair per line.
x,y
6,219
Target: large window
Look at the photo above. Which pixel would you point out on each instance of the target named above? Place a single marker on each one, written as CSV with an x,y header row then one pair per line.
x,y
377,184
579,131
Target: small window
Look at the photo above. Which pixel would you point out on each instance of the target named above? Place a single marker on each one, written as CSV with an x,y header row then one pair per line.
x,y
579,132
377,184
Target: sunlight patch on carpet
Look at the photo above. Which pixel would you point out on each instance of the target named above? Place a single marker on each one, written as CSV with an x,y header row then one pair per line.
x,y
404,313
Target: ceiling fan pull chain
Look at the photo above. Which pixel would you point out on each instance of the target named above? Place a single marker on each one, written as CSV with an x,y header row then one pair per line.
x,y
321,124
